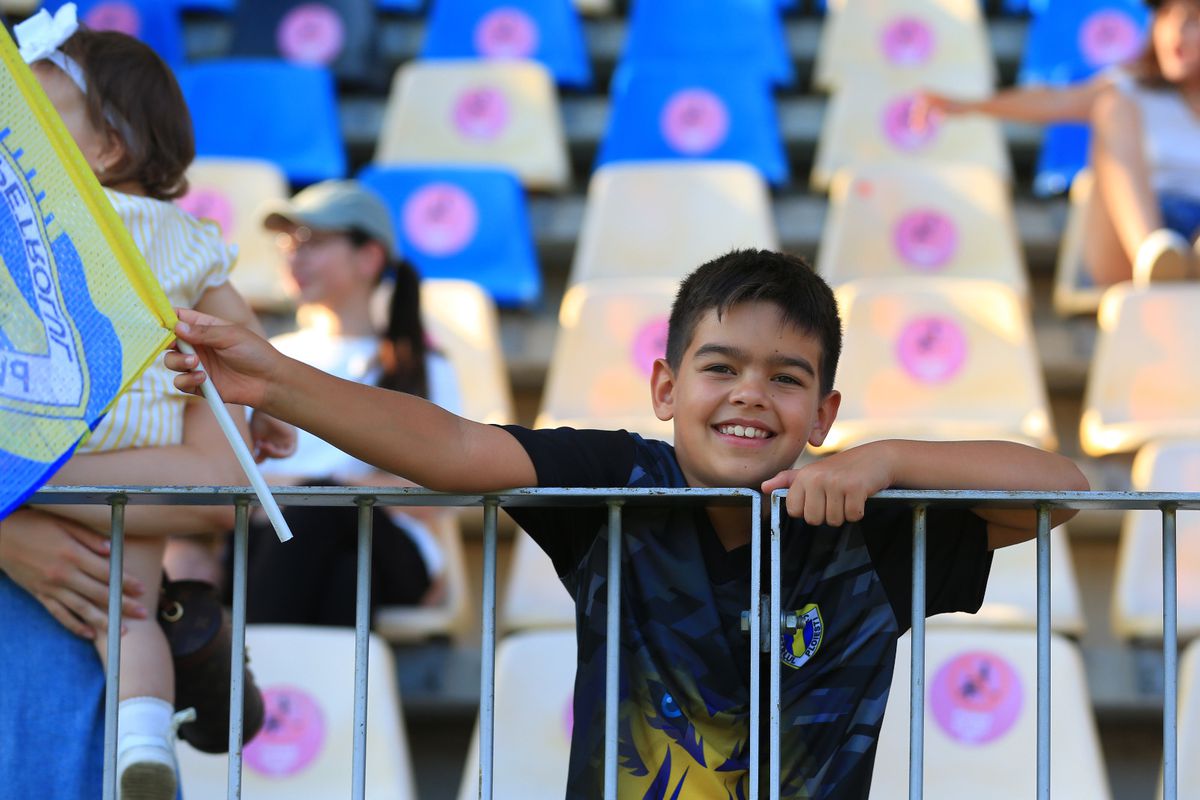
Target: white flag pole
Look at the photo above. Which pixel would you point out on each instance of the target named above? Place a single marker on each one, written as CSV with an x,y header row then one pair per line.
x,y
242,452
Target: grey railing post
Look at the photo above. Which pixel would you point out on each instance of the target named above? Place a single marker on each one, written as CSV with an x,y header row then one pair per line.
x,y
112,679
756,615
916,699
237,659
612,655
1170,658
362,633
776,645
487,677
1043,652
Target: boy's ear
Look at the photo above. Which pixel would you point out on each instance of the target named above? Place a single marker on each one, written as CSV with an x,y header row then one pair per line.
x,y
662,389
826,414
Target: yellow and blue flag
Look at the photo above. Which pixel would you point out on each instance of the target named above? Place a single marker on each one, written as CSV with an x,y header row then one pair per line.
x,y
81,315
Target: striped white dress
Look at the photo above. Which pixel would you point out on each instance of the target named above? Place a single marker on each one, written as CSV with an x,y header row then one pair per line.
x,y
188,257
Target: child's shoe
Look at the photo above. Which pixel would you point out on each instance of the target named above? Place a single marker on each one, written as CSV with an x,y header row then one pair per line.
x,y
146,766
1163,255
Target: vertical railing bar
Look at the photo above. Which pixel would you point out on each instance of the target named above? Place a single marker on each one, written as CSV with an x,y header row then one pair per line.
x,y
237,650
112,678
612,655
362,634
1170,657
487,677
775,647
756,609
916,701
1043,652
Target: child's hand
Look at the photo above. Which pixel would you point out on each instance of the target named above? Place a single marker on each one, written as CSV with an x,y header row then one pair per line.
x,y
835,489
272,438
239,362
928,108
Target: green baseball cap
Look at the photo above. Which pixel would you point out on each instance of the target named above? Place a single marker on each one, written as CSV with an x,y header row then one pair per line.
x,y
335,206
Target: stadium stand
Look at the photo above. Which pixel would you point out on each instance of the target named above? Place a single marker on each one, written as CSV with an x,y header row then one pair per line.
x,y
1074,290
1189,722
451,615
337,34
156,23
534,597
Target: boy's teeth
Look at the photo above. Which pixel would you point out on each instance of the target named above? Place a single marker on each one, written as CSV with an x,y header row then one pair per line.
x,y
743,431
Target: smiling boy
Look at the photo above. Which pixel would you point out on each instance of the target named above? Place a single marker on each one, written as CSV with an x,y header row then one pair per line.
x,y
752,349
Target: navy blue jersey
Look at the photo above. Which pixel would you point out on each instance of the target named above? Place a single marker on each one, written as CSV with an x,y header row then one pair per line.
x,y
685,661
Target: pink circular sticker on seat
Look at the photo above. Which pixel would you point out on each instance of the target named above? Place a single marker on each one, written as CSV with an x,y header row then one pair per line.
x,y
292,735
440,219
506,33
899,129
907,42
481,113
203,202
312,33
976,697
1109,37
119,17
694,122
932,349
649,344
925,239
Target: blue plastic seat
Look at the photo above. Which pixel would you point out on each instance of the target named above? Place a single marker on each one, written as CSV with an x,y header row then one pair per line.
x,y
745,34
1064,153
339,34
460,222
679,111
548,31
156,23
1070,40
259,108
404,6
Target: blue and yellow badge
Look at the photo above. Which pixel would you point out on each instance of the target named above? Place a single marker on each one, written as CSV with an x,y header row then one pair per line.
x,y
802,644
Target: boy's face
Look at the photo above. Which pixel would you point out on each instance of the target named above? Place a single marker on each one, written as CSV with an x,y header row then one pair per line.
x,y
746,398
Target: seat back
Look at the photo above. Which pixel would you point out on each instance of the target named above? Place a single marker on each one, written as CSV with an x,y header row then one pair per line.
x,y
1189,722
306,744
1062,156
481,112
154,22
664,219
1067,42
1143,382
451,616
534,597
338,34
939,359
1074,290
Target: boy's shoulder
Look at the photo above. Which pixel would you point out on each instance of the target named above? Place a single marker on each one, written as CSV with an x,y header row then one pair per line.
x,y
579,457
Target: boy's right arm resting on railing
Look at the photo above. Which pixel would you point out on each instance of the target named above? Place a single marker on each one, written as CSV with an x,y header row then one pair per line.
x,y
396,432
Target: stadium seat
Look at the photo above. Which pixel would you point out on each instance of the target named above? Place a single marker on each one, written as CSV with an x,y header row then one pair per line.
x,y
402,6
596,8
1074,290
867,122
535,677
1061,157
918,39
1069,41
893,220
468,223
1189,722
1011,599
693,111
547,31
338,34
246,108
981,720
664,219
944,358
231,192
156,23
610,333
305,748
1143,382
534,597
481,112
743,35
462,324
1137,608
451,616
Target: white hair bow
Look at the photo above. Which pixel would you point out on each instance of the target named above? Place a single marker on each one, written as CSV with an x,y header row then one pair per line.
x,y
40,36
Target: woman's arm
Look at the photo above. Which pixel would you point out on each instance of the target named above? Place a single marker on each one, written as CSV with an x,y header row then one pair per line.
x,y
1039,104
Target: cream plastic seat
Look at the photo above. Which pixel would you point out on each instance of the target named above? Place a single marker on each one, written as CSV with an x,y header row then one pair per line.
x,y
1011,598
477,112
1137,604
1189,723
610,333
534,597
451,616
595,8
535,678
665,218
937,359
462,322
913,221
305,748
1143,383
981,720
232,192
1074,290
921,39
867,121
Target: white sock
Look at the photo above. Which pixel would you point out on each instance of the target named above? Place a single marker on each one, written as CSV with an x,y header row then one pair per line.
x,y
144,716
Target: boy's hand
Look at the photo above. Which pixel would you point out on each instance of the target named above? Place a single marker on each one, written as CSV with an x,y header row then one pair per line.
x,y
272,438
835,489
239,362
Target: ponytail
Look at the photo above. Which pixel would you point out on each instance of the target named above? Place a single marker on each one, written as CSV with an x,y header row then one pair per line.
x,y
402,347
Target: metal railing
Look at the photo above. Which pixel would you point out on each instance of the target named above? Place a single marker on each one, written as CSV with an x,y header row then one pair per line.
x,y
768,606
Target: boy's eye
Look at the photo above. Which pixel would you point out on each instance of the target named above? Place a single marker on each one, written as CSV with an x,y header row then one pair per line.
x,y
724,369
789,379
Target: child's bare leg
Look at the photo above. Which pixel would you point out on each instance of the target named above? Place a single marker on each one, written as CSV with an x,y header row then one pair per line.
x,y
194,558
146,666
1102,250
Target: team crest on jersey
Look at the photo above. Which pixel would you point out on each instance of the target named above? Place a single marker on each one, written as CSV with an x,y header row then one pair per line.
x,y
803,643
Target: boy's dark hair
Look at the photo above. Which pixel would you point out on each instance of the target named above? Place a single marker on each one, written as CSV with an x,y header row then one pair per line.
x,y
743,276
133,93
